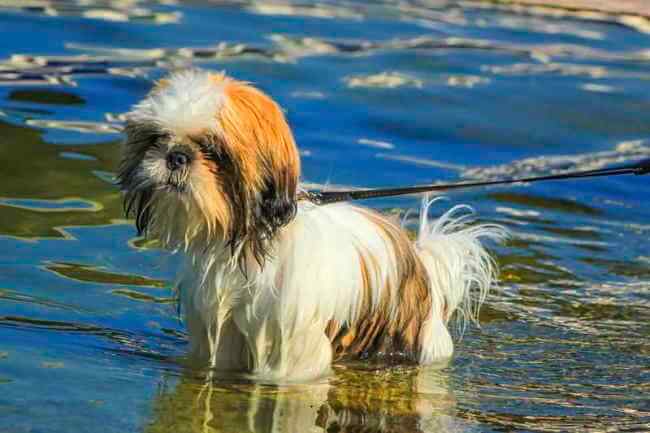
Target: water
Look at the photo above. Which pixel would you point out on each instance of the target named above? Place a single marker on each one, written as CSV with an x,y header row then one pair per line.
x,y
378,94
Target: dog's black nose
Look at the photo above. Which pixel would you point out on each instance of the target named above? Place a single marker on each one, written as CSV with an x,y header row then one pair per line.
x,y
177,160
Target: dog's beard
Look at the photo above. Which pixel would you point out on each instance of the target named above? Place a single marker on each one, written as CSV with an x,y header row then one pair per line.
x,y
162,203
200,208
138,203
176,182
169,216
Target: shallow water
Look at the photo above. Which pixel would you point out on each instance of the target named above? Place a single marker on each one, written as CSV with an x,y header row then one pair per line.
x,y
378,94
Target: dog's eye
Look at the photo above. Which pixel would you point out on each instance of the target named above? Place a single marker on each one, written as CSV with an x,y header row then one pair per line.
x,y
147,141
161,138
203,143
158,140
214,153
204,146
208,148
211,147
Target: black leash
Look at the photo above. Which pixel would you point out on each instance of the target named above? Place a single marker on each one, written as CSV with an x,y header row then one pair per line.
x,y
328,197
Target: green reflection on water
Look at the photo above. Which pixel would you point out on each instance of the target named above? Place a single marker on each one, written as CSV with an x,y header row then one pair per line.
x,y
34,169
555,203
143,297
46,96
92,274
624,268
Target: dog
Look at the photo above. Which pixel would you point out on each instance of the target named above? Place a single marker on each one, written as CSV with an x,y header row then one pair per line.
x,y
273,285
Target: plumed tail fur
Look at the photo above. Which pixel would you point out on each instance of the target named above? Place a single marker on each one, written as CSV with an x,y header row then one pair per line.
x,y
460,269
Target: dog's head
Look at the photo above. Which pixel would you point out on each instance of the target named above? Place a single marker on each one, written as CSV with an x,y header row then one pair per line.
x,y
208,159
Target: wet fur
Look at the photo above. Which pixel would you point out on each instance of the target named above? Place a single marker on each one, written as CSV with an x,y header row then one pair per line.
x,y
274,285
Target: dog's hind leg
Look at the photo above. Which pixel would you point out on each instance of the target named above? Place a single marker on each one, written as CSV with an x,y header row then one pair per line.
x,y
460,271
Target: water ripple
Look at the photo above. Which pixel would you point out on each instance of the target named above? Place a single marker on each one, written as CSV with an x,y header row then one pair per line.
x,y
410,91
624,152
388,80
76,126
115,10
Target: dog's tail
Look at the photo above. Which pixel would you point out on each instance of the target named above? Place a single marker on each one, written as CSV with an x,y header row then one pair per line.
x,y
460,270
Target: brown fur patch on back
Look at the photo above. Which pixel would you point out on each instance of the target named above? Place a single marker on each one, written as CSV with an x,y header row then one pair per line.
x,y
382,332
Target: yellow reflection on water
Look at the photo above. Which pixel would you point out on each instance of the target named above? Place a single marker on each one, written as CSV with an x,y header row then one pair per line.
x,y
389,400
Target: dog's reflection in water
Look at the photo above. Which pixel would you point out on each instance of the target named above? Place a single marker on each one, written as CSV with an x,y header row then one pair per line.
x,y
404,400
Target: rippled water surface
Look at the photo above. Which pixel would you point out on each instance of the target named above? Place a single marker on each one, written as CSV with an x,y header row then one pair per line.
x,y
379,94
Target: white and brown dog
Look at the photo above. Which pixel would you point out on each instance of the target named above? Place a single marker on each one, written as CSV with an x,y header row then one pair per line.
x,y
275,285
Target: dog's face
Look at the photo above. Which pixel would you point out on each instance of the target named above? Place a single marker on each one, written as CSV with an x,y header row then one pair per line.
x,y
209,159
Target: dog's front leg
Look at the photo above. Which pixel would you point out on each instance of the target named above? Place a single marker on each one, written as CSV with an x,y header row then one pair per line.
x,y
221,345
285,350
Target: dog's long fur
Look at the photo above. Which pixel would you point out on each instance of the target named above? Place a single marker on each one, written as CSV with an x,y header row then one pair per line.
x,y
274,285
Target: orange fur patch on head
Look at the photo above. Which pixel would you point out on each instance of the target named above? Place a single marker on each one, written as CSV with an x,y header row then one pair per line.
x,y
255,129
209,196
241,186
258,164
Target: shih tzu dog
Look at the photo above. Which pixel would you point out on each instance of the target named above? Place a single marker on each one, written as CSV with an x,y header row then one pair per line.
x,y
275,285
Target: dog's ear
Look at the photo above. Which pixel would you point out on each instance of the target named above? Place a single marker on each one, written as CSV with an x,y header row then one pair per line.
x,y
277,202
256,134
